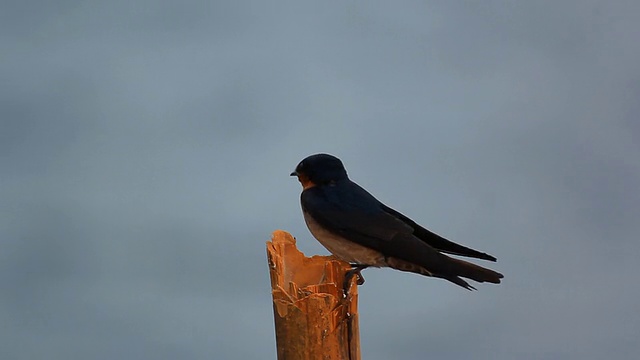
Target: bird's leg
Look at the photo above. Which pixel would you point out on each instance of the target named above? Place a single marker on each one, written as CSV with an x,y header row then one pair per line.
x,y
355,270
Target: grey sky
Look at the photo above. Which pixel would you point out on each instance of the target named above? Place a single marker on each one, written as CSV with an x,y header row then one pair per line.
x,y
145,148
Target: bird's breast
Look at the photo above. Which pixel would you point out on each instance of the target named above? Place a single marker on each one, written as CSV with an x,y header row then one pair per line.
x,y
344,249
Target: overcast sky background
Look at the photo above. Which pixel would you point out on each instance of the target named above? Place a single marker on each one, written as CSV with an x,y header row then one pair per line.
x,y
145,148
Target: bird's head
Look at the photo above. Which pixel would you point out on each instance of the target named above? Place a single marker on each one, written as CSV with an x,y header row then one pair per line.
x,y
319,169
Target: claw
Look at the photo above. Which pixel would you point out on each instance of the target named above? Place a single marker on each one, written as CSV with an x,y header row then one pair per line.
x,y
357,268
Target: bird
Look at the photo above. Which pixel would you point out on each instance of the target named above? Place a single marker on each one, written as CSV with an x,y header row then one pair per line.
x,y
357,228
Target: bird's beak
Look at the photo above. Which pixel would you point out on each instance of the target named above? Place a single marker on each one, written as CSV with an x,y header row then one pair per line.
x,y
295,173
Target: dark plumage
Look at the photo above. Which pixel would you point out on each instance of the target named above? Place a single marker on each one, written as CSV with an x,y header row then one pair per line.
x,y
358,228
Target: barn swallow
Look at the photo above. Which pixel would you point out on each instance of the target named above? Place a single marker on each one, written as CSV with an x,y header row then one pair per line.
x,y
357,228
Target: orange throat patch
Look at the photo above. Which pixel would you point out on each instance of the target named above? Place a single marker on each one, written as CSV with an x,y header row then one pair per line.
x,y
306,183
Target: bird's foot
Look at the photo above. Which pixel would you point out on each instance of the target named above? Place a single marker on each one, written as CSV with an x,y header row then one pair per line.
x,y
355,270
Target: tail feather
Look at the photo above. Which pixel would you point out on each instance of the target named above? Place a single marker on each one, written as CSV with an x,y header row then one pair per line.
x,y
474,272
408,253
458,281
450,269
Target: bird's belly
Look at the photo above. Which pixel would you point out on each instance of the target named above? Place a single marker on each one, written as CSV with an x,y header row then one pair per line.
x,y
342,248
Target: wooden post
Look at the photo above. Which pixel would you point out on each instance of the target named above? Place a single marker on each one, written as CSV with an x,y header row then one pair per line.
x,y
313,319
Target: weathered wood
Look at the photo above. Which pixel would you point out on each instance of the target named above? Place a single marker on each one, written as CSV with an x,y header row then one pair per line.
x,y
313,319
